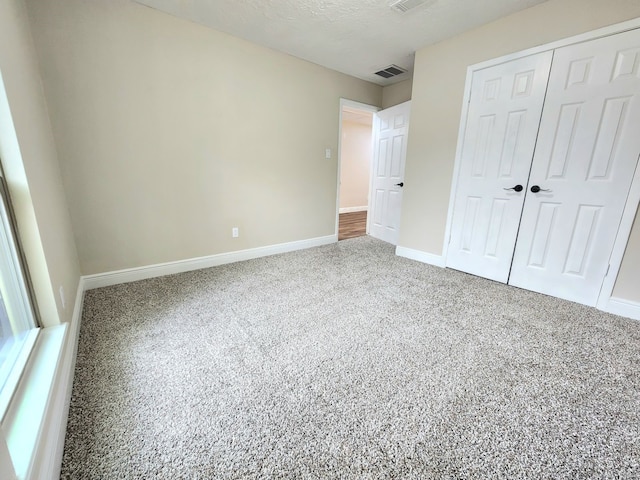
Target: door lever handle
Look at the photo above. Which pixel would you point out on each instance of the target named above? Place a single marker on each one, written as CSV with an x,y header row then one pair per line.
x,y
517,188
536,189
401,184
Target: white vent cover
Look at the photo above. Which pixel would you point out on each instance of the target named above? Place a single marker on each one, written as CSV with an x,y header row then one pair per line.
x,y
403,6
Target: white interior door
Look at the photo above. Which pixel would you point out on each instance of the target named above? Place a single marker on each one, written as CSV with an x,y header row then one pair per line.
x,y
499,141
391,127
586,155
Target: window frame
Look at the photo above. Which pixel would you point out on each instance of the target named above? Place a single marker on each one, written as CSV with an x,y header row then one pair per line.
x,y
9,224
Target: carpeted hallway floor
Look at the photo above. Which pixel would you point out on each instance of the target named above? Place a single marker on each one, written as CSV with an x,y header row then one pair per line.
x,y
346,361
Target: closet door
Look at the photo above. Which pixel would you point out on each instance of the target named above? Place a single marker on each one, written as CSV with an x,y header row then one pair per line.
x,y
585,158
500,135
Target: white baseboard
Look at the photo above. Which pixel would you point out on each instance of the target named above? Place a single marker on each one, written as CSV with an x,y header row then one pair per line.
x,y
424,257
624,308
48,460
141,273
354,209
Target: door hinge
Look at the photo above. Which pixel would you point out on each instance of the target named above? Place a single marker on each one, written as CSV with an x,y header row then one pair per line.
x,y
608,267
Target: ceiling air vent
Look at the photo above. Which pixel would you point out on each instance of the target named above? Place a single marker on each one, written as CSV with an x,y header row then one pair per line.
x,y
391,71
403,6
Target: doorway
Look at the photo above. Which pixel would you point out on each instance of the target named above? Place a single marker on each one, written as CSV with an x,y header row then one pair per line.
x,y
354,175
371,167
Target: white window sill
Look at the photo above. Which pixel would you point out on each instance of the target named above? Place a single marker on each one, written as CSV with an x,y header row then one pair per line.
x,y
25,346
25,418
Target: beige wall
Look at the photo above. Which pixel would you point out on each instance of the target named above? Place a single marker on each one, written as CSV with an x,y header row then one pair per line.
x,y
355,167
30,160
397,93
438,85
170,134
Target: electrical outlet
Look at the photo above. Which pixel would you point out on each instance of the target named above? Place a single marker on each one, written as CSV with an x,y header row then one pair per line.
x,y
327,153
62,301
235,233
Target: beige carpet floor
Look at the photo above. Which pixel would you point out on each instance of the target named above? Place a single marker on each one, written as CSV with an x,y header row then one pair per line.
x,y
346,361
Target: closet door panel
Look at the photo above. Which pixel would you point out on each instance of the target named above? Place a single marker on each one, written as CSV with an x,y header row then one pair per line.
x,y
587,151
502,123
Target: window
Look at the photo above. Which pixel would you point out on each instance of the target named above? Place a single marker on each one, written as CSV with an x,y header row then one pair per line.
x,y
18,323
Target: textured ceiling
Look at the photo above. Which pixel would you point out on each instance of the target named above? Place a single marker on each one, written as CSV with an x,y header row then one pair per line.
x,y
356,37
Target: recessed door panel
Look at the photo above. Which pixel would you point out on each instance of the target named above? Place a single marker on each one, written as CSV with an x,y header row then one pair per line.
x,y
546,222
523,84
378,213
496,223
578,72
627,64
491,89
399,120
612,122
512,137
585,225
586,154
383,154
469,223
486,125
498,145
396,156
564,137
394,203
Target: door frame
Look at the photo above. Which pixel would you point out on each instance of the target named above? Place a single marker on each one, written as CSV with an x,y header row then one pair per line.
x,y
344,102
605,301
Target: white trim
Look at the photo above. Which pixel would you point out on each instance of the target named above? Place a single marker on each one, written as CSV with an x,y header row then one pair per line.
x,y
48,460
424,257
624,308
359,106
344,102
13,380
633,199
141,273
363,208
456,166
26,420
620,243
375,133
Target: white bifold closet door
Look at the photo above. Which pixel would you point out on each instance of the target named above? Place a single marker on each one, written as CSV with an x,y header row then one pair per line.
x,y
586,153
586,156
500,137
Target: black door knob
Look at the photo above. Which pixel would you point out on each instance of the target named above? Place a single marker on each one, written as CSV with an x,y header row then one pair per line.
x,y
536,189
517,188
401,184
